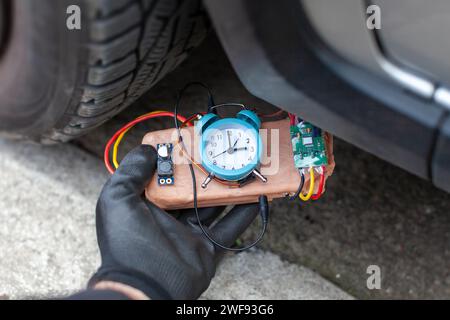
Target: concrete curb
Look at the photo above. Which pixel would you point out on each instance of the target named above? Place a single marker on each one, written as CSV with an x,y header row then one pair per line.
x,y
47,234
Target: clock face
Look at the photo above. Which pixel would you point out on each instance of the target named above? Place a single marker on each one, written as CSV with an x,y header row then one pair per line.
x,y
231,147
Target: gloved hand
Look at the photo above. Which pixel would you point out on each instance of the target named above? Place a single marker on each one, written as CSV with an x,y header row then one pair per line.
x,y
147,248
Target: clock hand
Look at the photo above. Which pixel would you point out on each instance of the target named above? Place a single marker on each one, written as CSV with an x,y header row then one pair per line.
x,y
234,145
229,138
234,149
220,154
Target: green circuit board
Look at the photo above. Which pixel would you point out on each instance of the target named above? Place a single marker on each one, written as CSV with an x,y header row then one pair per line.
x,y
308,145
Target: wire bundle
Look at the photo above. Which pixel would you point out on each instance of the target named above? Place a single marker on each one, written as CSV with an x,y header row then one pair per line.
x,y
118,136
310,195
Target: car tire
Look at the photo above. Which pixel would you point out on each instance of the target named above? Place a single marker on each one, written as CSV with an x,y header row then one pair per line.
x,y
57,84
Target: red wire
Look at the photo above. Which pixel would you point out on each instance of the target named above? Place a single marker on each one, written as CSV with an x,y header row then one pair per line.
x,y
274,114
291,119
321,183
322,176
129,125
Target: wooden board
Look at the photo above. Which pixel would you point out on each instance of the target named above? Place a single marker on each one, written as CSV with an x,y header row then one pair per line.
x,y
277,165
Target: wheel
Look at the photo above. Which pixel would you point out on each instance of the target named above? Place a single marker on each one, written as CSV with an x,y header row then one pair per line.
x,y
56,84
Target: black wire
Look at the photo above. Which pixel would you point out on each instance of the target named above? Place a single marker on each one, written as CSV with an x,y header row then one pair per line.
x,y
264,218
226,104
263,211
180,95
300,187
202,228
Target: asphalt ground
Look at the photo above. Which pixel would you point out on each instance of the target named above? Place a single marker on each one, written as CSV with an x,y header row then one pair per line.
x,y
373,213
48,246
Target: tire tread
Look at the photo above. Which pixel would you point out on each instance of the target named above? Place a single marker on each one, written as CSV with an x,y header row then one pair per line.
x,y
132,45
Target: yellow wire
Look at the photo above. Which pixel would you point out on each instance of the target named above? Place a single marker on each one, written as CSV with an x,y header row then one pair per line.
x,y
311,186
190,158
120,137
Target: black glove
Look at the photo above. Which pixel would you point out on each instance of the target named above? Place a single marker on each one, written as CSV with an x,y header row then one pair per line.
x,y
149,249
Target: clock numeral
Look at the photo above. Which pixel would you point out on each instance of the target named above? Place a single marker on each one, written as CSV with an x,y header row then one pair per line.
x,y
223,167
252,149
214,162
250,158
248,140
210,153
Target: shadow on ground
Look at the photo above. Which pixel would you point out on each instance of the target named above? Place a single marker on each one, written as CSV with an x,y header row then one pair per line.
x,y
372,212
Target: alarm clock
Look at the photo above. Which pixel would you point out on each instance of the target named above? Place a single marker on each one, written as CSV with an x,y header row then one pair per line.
x,y
230,148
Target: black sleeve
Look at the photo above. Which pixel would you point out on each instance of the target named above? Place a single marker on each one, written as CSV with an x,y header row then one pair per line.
x,y
97,295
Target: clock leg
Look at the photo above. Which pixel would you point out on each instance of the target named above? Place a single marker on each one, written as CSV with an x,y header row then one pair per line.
x,y
260,176
207,180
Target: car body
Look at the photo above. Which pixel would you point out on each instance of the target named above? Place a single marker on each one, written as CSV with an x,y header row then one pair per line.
x,y
384,90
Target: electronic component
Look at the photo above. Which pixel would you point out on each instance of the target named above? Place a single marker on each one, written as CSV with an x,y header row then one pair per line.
x,y
308,145
309,149
164,167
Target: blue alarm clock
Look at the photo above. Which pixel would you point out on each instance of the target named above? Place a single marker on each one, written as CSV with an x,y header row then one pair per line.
x,y
230,148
